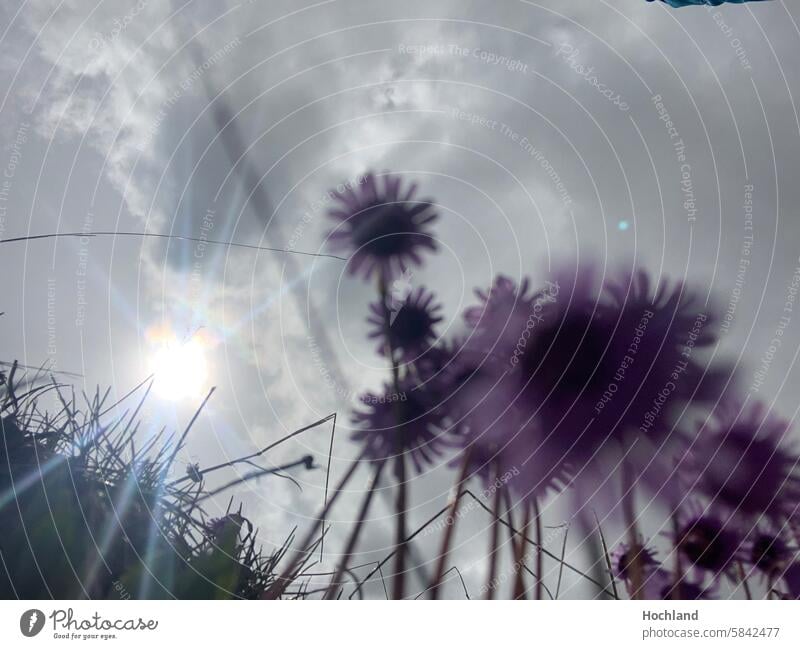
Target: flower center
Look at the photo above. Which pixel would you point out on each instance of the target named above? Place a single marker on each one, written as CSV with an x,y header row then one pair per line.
x,y
707,545
411,326
382,229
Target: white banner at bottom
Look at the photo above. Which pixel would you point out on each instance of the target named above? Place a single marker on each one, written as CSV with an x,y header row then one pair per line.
x,y
399,624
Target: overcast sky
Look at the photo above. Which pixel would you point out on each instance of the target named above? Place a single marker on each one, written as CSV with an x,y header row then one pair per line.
x,y
541,129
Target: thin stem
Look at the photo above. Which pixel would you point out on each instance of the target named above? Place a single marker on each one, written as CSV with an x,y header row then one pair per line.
x,y
606,556
561,565
519,581
678,565
401,505
494,543
539,555
252,456
287,575
354,534
635,566
512,532
743,580
450,526
512,535
401,499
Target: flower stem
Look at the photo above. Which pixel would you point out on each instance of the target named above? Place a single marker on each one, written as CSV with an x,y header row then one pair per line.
x,y
512,536
635,566
401,500
678,565
354,534
743,580
286,577
494,543
539,554
398,590
450,525
519,581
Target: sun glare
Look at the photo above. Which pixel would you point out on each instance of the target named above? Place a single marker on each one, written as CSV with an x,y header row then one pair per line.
x,y
179,366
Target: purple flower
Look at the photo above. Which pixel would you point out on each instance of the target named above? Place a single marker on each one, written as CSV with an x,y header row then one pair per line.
x,y
791,577
408,421
454,374
600,368
500,438
741,464
542,349
622,560
769,553
659,334
503,303
661,585
502,325
710,543
411,324
381,227
508,443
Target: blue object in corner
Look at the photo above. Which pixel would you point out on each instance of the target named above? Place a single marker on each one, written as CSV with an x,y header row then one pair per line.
x,y
714,3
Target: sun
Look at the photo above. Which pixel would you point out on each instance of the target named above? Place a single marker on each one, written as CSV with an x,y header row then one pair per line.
x,y
179,366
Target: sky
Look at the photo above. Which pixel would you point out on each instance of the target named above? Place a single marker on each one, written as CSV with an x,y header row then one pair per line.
x,y
619,131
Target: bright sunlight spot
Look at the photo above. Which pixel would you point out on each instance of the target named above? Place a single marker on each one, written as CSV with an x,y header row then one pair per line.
x,y
179,365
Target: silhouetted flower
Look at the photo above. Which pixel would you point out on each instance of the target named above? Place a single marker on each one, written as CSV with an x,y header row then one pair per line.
x,y
408,421
411,326
454,373
541,348
739,462
658,335
710,543
622,560
501,430
600,368
508,443
502,309
381,227
769,553
662,585
677,4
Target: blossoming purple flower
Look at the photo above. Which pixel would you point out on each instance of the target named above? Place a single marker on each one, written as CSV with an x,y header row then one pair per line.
x,y
411,326
622,560
456,376
740,463
408,421
710,543
503,303
500,443
769,553
381,227
499,437
659,333
662,585
507,332
601,368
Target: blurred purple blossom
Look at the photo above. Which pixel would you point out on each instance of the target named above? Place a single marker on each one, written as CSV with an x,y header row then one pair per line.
x,y
740,461
405,421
